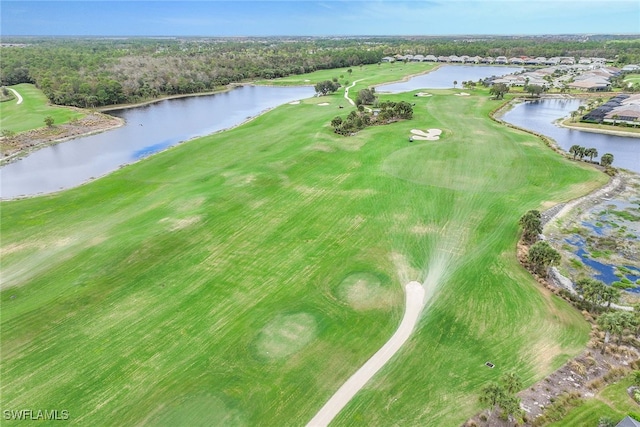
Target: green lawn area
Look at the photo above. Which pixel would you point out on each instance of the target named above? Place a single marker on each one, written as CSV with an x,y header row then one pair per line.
x,y
612,401
632,78
30,114
241,278
370,75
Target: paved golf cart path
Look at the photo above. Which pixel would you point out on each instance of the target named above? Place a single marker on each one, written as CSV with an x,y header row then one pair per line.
x,y
415,300
346,92
15,92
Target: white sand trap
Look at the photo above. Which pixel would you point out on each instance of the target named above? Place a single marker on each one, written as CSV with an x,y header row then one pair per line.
x,y
429,135
307,80
462,94
294,103
415,301
423,94
322,104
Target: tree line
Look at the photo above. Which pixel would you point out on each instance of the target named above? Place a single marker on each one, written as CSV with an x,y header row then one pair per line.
x,y
91,72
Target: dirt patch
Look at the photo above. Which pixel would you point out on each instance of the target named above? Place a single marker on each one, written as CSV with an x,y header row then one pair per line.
x,y
286,335
364,291
323,104
26,142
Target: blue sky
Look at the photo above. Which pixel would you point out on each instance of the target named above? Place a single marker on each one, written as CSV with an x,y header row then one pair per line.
x,y
317,18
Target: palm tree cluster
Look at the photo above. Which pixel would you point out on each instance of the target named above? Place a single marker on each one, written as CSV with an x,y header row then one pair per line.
x,y
503,395
596,293
580,151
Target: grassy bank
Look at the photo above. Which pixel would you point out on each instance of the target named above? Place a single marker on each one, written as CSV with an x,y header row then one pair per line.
x,y
240,278
30,114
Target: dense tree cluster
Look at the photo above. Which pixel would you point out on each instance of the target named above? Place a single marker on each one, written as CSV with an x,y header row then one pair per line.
x,y
366,97
386,112
94,72
499,90
326,87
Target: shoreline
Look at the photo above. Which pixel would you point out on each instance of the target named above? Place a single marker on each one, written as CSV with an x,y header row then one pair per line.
x,y
94,178
27,146
562,123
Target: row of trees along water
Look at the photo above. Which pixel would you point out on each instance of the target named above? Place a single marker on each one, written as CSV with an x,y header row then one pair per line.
x,y
94,72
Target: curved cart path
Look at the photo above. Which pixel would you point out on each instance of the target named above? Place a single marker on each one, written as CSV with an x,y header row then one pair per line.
x,y
415,300
15,92
346,92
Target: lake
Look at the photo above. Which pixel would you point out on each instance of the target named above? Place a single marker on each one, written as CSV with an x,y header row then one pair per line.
x,y
148,129
540,116
443,77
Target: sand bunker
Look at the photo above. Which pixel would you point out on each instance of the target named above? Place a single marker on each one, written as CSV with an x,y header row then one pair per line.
x,y
429,135
423,94
462,94
294,103
322,104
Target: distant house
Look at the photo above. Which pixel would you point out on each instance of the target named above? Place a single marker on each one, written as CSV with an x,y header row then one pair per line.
x,y
628,422
430,58
388,59
592,84
516,61
443,59
455,59
475,59
629,114
417,58
501,60
488,60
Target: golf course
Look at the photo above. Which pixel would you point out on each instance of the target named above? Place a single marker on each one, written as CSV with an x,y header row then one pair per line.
x,y
241,278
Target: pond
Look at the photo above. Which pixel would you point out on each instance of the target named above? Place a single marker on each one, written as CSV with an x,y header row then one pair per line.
x,y
148,129
443,77
540,116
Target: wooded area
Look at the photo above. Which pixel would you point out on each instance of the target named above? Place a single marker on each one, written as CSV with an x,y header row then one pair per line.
x,y
92,72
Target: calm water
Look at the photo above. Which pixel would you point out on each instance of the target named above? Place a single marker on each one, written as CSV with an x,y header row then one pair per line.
x,y
539,116
443,77
148,129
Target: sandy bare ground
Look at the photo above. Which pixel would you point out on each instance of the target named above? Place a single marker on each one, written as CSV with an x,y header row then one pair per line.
x,y
429,135
323,104
415,301
462,94
423,94
294,103
15,92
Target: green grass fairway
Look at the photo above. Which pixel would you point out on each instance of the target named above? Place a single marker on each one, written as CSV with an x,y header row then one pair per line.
x,y
33,110
241,278
366,75
612,401
632,78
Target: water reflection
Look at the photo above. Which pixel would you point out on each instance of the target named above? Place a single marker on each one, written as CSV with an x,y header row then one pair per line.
x,y
540,116
148,129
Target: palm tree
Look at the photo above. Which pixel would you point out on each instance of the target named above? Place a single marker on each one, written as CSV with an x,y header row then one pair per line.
x,y
608,322
491,395
455,82
606,159
575,150
511,382
591,152
582,152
